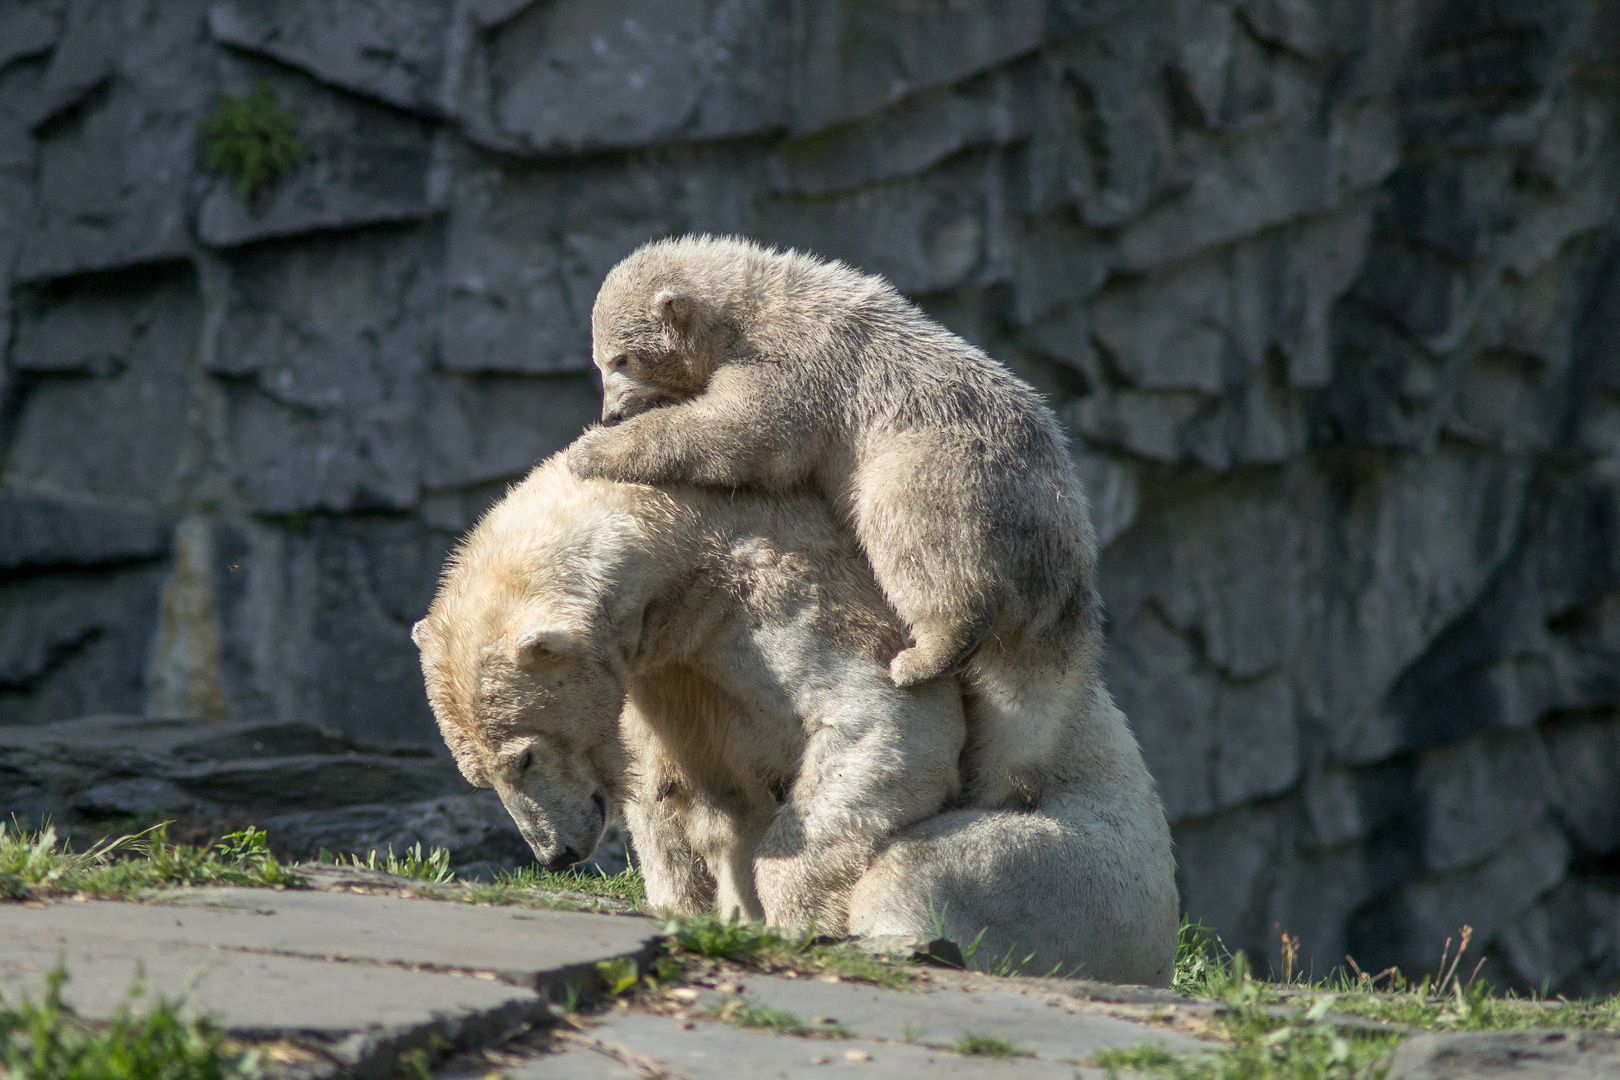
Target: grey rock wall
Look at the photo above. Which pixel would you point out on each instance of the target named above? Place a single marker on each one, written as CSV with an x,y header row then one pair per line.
x,y
1328,292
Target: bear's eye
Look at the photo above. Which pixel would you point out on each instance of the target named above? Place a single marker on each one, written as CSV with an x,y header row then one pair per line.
x,y
525,761
617,361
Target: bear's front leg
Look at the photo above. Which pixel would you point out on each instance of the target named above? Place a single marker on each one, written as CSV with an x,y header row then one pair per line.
x,y
678,883
868,771
805,884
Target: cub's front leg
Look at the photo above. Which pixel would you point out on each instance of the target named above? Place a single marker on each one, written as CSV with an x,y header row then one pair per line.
x,y
738,433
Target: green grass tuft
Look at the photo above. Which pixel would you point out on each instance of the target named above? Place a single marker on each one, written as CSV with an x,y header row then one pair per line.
x,y
1265,1049
758,945
529,885
1200,960
433,867
1286,1030
252,140
618,975
45,1041
976,1045
729,939
1472,1008
38,860
1148,1056
626,885
751,1014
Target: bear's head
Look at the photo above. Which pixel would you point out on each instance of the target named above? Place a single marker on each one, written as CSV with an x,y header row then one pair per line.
x,y
665,319
529,708
523,652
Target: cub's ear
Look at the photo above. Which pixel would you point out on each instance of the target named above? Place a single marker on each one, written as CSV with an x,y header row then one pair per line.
x,y
418,631
674,308
539,641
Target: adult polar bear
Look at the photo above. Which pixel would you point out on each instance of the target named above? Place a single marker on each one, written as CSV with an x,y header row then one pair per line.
x,y
716,665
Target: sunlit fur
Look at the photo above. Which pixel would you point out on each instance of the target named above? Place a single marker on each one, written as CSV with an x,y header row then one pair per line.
x,y
729,365
716,666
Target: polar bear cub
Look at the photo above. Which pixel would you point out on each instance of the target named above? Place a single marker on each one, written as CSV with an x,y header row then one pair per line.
x,y
726,364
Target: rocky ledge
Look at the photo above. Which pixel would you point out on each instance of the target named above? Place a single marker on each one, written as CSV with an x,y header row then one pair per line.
x,y
311,789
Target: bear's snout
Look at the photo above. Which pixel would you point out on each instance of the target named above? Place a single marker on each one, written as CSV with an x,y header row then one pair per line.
x,y
562,862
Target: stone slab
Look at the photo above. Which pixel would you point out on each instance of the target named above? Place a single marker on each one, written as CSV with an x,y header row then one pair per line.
x,y
709,1051
473,828
1509,1055
532,948
245,991
321,781
39,529
581,75
939,1018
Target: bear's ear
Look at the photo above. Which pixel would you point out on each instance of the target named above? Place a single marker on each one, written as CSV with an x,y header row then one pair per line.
x,y
418,631
540,641
674,308
465,751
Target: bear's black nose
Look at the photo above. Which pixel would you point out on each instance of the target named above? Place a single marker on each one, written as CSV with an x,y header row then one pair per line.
x,y
562,862
611,418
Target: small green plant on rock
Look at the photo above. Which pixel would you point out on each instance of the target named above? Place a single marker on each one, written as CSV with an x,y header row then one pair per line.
x,y
751,1014
432,867
619,975
252,139
728,939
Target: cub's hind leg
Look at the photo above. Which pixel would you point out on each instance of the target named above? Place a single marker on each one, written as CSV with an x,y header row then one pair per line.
x,y
918,510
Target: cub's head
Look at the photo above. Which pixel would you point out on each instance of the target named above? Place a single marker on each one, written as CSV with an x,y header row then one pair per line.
x,y
665,318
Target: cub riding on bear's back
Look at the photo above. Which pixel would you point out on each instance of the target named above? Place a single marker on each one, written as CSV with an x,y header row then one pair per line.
x,y
729,365
724,666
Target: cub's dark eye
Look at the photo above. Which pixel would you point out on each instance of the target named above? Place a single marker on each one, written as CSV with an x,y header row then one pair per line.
x,y
617,361
525,761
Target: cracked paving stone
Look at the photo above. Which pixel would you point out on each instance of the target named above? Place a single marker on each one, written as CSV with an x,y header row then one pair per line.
x,y
362,1015
940,1017
362,976
1509,1055
523,946
624,1045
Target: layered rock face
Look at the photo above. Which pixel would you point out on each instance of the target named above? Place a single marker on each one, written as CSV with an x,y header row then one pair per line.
x,y
1328,292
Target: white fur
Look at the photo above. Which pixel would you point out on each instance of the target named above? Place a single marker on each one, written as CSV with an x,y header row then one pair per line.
x,y
730,365
716,668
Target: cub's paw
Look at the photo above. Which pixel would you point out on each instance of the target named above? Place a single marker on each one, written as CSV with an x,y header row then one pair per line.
x,y
588,458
